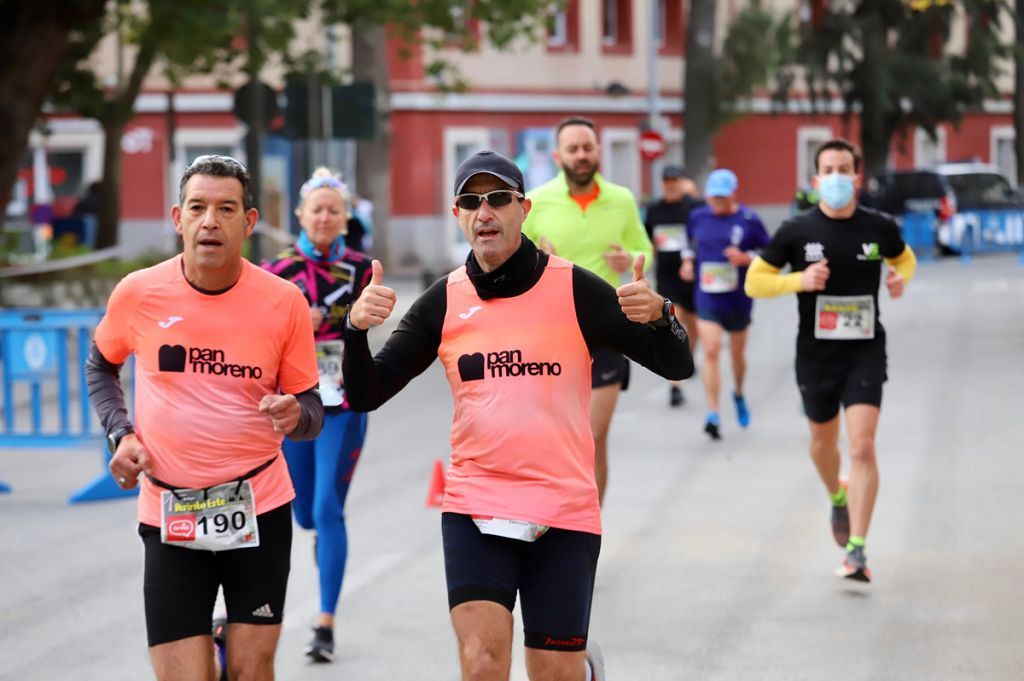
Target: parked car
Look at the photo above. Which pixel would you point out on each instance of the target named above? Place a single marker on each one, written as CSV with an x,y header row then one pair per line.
x,y
950,188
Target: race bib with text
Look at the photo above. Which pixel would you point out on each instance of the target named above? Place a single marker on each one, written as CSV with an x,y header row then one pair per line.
x,y
844,318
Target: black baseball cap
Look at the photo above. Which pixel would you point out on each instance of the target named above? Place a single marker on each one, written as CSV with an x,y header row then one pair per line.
x,y
492,163
673,172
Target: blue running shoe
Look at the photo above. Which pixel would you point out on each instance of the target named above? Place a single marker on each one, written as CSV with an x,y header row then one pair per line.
x,y
742,413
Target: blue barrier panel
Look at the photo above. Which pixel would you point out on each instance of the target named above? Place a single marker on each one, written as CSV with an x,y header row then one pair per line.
x,y
38,348
918,231
987,231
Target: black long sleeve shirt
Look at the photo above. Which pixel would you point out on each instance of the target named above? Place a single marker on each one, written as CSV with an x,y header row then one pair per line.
x,y
370,381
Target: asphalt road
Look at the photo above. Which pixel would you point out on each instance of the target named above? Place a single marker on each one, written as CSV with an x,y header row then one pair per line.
x,y
717,561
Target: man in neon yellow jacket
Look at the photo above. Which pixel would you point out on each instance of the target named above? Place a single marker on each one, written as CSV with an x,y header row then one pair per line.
x,y
594,223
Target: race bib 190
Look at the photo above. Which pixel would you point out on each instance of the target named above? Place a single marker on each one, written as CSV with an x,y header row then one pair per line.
x,y
844,318
215,519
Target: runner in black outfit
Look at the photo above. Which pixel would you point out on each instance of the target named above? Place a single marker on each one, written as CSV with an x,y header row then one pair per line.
x,y
836,251
666,221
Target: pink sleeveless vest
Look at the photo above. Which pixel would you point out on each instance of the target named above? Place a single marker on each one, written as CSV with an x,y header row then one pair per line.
x,y
519,369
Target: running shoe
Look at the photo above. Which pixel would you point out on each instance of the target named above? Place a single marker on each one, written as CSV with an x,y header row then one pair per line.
x,y
712,425
855,566
220,644
841,521
596,660
742,413
675,396
321,648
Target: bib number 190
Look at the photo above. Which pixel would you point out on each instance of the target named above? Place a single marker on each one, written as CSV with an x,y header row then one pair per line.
x,y
222,522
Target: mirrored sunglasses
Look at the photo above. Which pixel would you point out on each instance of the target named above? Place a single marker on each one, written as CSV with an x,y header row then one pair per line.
x,y
495,199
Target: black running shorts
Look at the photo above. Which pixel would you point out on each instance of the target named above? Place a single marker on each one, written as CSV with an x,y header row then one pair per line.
x,y
180,585
847,378
554,575
609,368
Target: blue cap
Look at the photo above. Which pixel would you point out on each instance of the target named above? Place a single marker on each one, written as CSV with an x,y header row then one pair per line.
x,y
721,182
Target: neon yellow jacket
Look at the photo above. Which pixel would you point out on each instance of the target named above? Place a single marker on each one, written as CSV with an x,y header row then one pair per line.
x,y
583,237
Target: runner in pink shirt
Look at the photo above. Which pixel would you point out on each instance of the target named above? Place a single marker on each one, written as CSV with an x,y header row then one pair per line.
x,y
515,330
225,366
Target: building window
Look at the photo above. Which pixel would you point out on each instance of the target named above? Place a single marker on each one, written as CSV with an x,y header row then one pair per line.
x,y
928,152
616,26
564,28
808,139
670,31
620,157
1003,153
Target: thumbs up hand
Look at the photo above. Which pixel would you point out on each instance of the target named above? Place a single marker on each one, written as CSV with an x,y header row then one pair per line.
x,y
638,301
375,303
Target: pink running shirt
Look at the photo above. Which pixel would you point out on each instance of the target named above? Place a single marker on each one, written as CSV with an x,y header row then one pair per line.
x,y
519,370
202,364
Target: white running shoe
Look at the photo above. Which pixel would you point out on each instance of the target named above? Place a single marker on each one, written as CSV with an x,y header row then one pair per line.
x,y
596,660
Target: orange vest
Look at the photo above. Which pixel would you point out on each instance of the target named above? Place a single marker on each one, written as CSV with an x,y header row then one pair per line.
x,y
519,370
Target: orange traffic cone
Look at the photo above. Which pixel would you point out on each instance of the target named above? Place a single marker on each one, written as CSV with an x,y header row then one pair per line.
x,y
435,493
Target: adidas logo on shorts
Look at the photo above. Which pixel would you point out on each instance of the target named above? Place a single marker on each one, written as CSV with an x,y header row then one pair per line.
x,y
263,611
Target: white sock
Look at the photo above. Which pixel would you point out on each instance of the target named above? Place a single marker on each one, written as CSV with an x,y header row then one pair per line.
x,y
588,673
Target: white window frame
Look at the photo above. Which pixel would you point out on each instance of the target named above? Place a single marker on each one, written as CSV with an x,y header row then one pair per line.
x,y
559,35
631,136
84,136
609,24
806,135
921,141
201,137
997,134
456,247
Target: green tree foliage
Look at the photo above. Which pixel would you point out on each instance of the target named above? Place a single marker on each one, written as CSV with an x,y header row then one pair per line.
x,y
888,63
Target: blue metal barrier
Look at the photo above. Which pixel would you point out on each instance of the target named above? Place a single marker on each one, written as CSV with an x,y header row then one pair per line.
x,y
987,231
918,231
43,353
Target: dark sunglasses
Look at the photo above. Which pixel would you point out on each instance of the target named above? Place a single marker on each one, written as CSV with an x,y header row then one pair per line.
x,y
495,199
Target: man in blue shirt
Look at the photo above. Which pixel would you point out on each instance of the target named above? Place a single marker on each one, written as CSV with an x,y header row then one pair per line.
x,y
723,239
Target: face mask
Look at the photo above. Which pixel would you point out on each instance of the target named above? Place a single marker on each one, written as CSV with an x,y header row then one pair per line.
x,y
836,190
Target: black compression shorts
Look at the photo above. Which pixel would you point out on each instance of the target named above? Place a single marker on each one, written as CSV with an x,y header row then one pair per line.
x,y
609,368
180,585
554,575
853,377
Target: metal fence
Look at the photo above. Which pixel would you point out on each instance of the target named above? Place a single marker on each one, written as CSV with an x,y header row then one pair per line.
x,y
45,401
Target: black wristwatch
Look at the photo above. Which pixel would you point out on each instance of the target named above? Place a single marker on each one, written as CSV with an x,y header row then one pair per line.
x,y
114,437
666,315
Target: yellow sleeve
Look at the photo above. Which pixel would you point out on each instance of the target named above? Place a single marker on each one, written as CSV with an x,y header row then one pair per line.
x,y
764,281
905,264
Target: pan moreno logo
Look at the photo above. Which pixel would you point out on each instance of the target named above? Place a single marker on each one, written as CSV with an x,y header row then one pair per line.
x,y
503,364
209,361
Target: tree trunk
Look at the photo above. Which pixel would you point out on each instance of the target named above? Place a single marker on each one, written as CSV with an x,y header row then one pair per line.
x,y
699,91
875,133
1018,92
110,189
27,70
373,156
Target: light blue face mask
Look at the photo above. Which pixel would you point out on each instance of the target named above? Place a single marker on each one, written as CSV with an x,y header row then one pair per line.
x,y
836,190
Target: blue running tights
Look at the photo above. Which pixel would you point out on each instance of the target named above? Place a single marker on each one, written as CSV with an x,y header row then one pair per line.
x,y
321,471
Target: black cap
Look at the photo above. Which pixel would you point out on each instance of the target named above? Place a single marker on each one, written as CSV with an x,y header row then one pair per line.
x,y
673,172
492,163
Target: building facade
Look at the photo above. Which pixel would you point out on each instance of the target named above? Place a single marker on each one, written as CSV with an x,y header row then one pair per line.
x,y
592,61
